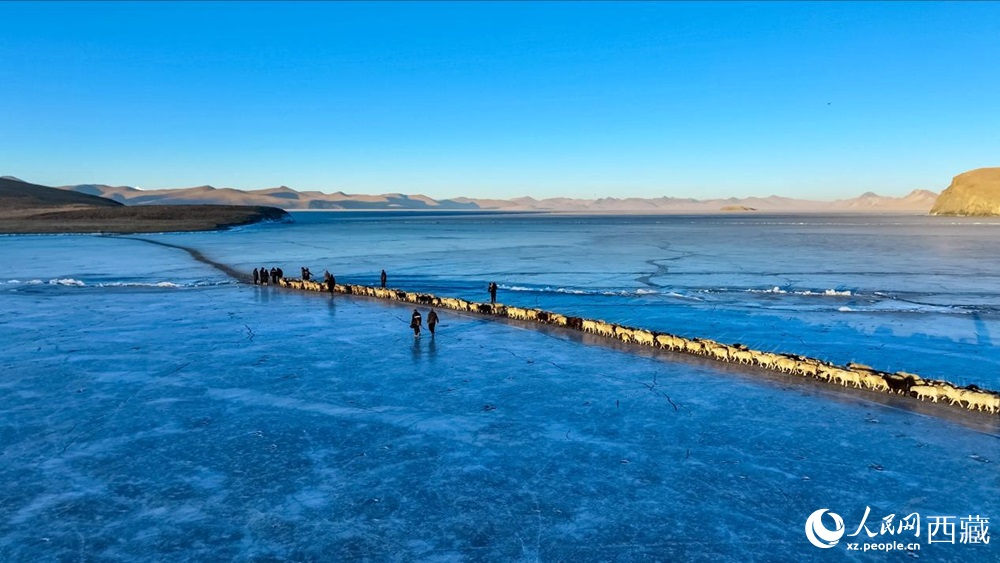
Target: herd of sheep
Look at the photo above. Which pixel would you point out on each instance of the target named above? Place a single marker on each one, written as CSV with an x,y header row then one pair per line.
x,y
852,375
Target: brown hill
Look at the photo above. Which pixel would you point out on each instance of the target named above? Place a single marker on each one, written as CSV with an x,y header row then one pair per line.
x,y
30,208
141,219
973,193
18,195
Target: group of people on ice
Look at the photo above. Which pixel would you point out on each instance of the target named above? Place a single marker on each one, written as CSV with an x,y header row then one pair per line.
x,y
263,276
432,321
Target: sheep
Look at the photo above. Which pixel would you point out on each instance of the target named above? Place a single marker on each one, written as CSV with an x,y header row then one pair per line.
x,y
605,329
983,400
766,359
875,382
643,337
926,391
666,341
624,334
844,377
693,346
825,372
807,367
719,352
914,377
785,364
518,313
743,356
899,384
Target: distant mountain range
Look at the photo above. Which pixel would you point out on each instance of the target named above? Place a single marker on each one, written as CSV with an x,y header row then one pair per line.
x,y
918,201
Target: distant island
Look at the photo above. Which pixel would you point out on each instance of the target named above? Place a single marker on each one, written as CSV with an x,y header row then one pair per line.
x,y
33,209
917,202
975,193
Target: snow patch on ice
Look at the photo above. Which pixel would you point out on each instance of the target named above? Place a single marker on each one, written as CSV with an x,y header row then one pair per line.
x,y
67,281
141,284
778,291
574,291
71,282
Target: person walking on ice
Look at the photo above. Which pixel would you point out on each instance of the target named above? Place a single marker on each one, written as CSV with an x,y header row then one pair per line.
x,y
493,292
415,323
432,319
329,280
383,279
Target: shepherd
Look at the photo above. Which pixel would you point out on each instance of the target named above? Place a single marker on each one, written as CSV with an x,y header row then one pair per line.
x,y
256,276
330,280
415,323
432,319
493,292
383,279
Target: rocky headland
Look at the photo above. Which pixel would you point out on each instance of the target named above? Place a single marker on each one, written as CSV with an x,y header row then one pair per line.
x,y
975,193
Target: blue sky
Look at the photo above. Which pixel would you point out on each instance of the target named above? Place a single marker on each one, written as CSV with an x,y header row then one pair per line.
x,y
817,100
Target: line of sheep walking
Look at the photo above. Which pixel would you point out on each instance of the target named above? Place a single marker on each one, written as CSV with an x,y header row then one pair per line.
x,y
853,375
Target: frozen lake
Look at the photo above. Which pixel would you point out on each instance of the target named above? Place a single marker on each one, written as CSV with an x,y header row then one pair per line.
x,y
154,410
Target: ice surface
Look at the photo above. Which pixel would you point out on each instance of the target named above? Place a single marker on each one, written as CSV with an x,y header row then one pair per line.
x,y
97,261
233,422
898,293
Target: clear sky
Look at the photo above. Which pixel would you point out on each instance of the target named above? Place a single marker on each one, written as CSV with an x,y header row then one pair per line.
x,y
818,100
